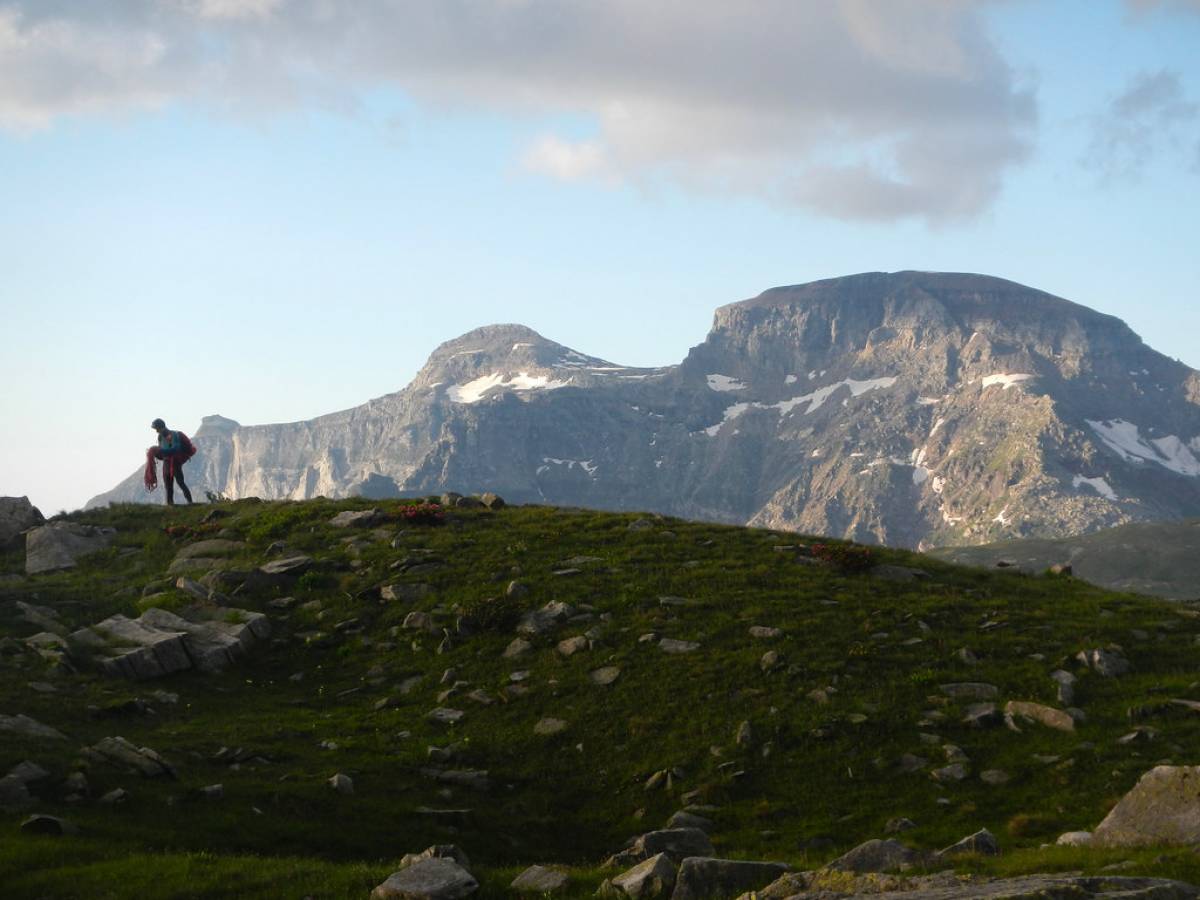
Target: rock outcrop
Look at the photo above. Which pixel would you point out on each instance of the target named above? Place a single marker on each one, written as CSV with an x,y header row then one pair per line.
x,y
908,408
1162,808
17,515
59,545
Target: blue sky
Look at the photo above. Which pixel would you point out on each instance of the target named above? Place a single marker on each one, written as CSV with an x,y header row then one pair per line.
x,y
241,207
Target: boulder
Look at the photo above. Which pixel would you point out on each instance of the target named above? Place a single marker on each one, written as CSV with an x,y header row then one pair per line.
x,y
572,645
955,886
435,878
765,632
1109,663
210,548
351,518
701,878
51,825
26,727
405,593
1075,839
118,751
17,515
604,675
14,794
670,645
653,877
342,784
685,819
436,851
677,843
539,879
289,567
1057,719
540,621
875,856
548,726
982,842
1162,808
492,501
60,545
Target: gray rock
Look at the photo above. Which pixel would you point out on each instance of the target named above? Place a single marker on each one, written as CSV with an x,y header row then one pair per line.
x,y
51,825
115,796
430,879
420,621
492,501
1057,719
517,647
951,773
1065,683
1075,839
769,661
677,843
954,886
26,727
342,783
405,593
604,675
545,619
982,842
215,547
981,715
436,851
743,737
445,716
540,879
764,632
1162,808
899,825
994,777
1109,663
651,878
572,645
17,515
702,878
549,726
60,545
685,819
291,566
670,645
14,794
875,856
28,772
143,760
350,518
40,616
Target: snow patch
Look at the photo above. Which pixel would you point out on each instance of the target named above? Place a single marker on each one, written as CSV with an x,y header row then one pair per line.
x,y
724,383
474,391
938,484
1002,517
1006,380
519,345
1099,485
585,464
936,425
929,401
815,400
1125,440
791,379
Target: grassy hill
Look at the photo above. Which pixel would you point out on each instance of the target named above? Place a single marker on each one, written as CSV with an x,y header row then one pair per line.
x,y
1159,558
344,687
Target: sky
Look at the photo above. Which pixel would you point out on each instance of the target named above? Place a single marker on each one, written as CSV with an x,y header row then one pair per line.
x,y
275,209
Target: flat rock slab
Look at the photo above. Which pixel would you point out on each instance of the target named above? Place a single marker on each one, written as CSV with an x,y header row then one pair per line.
x,y
670,645
1162,808
1058,719
702,878
430,879
350,518
121,752
540,880
951,886
605,674
677,843
210,548
26,727
294,566
549,726
874,856
653,877
60,545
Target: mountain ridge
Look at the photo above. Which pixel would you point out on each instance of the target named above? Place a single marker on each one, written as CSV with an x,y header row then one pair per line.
x,y
910,408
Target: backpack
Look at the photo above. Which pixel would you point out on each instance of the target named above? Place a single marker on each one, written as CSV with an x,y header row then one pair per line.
x,y
187,448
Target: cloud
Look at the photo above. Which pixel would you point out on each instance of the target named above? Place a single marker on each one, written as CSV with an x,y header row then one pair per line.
x,y
851,108
1150,117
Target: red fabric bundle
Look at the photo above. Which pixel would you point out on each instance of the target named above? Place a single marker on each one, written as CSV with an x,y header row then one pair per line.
x,y
150,477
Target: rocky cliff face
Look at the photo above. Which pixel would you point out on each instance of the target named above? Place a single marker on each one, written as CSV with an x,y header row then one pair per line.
x,y
910,408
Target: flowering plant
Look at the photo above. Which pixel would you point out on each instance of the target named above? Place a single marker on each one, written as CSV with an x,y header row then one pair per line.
x,y
849,558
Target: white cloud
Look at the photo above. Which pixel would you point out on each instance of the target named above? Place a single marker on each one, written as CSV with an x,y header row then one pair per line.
x,y
1151,116
852,108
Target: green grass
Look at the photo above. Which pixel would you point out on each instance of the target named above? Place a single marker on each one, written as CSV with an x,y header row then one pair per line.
x,y
813,770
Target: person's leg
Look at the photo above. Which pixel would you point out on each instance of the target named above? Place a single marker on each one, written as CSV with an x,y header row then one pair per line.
x,y
182,485
169,483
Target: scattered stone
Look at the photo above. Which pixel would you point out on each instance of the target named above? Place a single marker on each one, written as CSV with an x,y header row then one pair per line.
x,y
994,777
14,794
26,727
955,886
549,726
670,645
1036,712
1075,839
213,792
143,760
343,784
744,736
475,779
1162,808
115,796
981,715
59,545
290,567
653,877
677,843
701,878
970,690
1066,686
874,856
769,661
572,645
685,819
966,656
540,880
420,621
1109,663
765,632
436,878
605,675
405,593
951,773
641,525
492,501
48,825
351,518
547,618
445,716
516,648
910,763
982,842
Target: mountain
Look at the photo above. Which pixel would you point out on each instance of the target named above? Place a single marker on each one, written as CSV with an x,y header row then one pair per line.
x,y
908,408
1157,558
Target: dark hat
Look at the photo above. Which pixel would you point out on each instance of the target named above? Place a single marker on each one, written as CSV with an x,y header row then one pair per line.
x,y
158,424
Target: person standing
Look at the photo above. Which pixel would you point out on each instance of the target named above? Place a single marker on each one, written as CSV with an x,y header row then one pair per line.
x,y
174,449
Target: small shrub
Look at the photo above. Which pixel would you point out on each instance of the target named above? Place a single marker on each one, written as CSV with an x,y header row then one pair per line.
x,y
847,558
421,514
1033,825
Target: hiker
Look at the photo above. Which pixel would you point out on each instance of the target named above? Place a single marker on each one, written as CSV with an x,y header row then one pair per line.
x,y
174,449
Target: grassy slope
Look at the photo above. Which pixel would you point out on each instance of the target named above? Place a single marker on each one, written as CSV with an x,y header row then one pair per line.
x,y
574,797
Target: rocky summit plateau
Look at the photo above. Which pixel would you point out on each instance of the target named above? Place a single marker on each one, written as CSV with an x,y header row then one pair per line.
x,y
912,409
